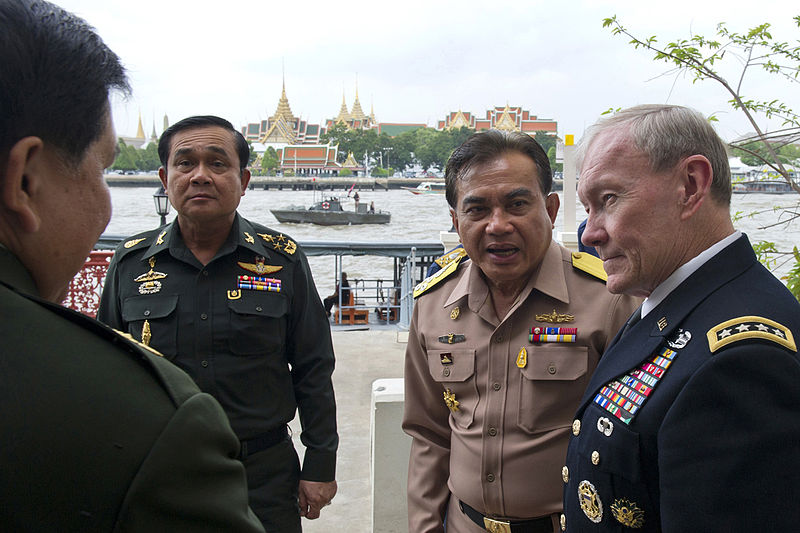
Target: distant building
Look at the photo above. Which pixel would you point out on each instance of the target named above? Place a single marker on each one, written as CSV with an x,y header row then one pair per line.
x,y
283,128
502,118
139,140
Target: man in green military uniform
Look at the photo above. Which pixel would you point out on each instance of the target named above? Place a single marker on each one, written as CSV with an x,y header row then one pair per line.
x,y
234,304
99,433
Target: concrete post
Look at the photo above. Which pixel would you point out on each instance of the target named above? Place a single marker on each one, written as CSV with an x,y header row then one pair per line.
x,y
569,236
389,452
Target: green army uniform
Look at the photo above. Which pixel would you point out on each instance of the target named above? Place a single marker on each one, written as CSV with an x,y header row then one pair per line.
x,y
100,434
250,329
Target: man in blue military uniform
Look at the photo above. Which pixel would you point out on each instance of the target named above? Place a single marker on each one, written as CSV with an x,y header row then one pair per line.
x,y
99,433
690,421
234,304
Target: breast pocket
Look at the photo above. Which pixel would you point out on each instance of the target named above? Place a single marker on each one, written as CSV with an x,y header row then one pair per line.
x,y
258,323
154,317
455,370
551,386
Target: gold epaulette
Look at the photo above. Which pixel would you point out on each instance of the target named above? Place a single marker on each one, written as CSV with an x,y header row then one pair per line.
x,y
432,280
749,327
589,264
450,256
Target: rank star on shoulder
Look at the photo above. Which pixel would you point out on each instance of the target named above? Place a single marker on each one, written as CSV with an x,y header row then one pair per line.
x,y
762,327
741,328
724,333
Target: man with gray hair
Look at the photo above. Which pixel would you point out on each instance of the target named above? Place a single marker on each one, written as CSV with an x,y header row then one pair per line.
x,y
690,421
99,433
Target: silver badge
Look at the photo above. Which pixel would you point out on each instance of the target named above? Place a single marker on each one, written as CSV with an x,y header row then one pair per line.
x,y
605,426
681,339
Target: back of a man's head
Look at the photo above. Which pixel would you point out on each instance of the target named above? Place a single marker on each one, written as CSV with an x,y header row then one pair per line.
x,y
55,78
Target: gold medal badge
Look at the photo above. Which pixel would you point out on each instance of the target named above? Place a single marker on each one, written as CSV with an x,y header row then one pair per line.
x,y
259,267
150,283
590,501
555,317
450,400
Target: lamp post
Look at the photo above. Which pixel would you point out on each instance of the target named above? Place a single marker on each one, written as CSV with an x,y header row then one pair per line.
x,y
162,204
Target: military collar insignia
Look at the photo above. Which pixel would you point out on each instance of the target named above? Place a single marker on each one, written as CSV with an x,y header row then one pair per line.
x,y
452,338
455,312
749,327
160,239
450,400
260,266
662,323
280,242
554,317
623,397
133,242
437,277
150,283
540,334
249,238
449,257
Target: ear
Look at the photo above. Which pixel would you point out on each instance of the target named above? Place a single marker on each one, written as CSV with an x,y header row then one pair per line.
x,y
552,203
162,175
696,176
454,218
245,180
22,181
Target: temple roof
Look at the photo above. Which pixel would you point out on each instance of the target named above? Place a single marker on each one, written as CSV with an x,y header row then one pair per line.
x,y
140,129
281,131
459,121
344,115
283,109
357,113
505,122
350,162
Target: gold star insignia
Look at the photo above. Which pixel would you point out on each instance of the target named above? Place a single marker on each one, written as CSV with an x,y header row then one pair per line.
x,y
249,238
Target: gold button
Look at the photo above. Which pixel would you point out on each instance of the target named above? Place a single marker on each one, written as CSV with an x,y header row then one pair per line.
x,y
565,474
576,427
492,432
595,458
563,522
576,255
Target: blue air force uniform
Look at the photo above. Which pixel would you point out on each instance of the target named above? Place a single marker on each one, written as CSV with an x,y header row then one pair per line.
x,y
691,421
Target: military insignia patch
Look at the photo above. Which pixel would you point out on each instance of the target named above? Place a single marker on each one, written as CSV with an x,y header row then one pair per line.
x,y
540,334
446,358
149,280
455,312
590,502
249,238
160,239
624,397
522,358
258,283
452,338
627,513
131,243
749,327
234,294
450,400
554,317
449,257
680,339
605,426
260,266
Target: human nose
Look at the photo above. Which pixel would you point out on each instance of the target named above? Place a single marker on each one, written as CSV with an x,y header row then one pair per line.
x,y
499,223
201,174
593,233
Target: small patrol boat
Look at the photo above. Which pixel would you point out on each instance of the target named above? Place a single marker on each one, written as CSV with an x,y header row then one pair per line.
x,y
329,212
762,186
427,187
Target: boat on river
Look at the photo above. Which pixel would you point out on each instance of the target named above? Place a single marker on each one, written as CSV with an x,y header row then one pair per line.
x,y
427,187
763,187
329,212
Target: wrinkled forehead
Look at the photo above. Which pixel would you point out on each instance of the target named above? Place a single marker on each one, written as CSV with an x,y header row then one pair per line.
x,y
213,138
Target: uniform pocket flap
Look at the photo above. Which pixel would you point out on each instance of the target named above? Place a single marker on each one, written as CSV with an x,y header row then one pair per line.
x,y
451,365
557,362
148,307
259,303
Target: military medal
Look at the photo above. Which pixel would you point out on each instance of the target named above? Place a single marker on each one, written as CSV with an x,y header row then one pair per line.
x,y
627,513
590,501
522,358
146,335
450,401
259,267
554,317
452,338
258,283
149,280
540,334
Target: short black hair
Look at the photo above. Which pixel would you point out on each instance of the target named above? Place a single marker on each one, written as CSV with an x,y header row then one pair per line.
x,y
55,77
486,146
199,121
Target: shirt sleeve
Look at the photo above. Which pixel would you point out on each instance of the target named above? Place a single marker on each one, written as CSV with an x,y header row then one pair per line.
x,y
190,480
310,353
426,420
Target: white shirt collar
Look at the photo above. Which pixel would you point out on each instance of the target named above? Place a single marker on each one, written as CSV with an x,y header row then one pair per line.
x,y
684,271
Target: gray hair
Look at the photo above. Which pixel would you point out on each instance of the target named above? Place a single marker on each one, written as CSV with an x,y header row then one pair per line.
x,y
667,134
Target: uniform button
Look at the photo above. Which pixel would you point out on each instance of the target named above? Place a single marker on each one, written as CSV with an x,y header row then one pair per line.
x,y
551,368
490,478
595,458
204,364
446,372
498,339
496,386
576,427
259,308
565,474
563,522
205,272
203,316
146,312
492,432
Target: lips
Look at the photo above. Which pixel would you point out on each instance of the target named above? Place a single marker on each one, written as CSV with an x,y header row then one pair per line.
x,y
502,250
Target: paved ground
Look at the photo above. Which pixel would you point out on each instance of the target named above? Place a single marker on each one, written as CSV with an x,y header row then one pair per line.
x,y
361,358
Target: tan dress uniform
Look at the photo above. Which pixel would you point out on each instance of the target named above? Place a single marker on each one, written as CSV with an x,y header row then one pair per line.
x,y
488,409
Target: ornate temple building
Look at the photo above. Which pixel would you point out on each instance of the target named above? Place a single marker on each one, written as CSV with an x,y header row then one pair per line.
x,y
502,118
283,128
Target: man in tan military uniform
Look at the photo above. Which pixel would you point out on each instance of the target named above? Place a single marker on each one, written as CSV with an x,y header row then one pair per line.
x,y
501,348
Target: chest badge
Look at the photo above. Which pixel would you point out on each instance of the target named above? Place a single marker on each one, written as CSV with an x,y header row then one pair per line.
x,y
446,358
452,338
146,334
259,267
455,312
680,339
450,400
540,334
522,358
259,283
555,318
627,513
150,283
590,502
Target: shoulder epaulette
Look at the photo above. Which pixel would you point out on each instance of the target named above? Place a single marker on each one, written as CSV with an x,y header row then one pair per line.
x,y
749,327
432,280
589,264
278,242
450,256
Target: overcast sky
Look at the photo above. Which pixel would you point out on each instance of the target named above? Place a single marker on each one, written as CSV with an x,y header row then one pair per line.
x,y
415,61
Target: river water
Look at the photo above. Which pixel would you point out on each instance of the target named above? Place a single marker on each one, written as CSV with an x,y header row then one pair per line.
x,y
414,218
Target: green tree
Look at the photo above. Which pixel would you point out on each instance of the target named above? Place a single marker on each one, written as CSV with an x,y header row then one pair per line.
x,y
126,157
702,58
269,160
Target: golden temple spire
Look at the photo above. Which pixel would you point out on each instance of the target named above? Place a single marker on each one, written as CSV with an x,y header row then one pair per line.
x,y
140,129
505,122
344,115
372,113
283,109
357,113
